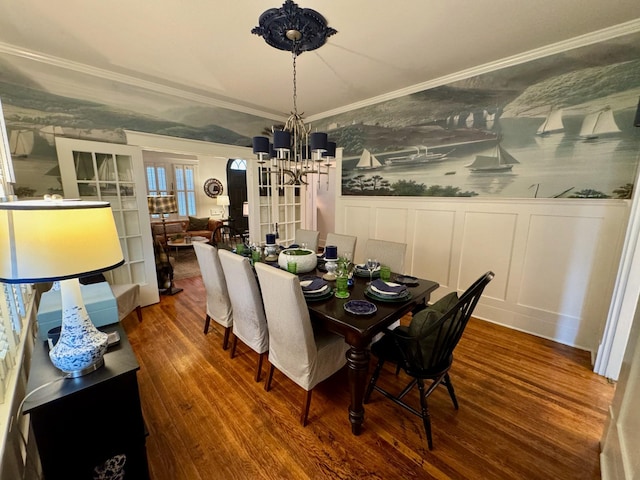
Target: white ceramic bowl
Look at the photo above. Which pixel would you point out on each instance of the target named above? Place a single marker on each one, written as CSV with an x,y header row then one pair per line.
x,y
305,259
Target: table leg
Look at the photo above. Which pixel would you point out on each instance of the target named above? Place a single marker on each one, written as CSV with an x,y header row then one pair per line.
x,y
358,363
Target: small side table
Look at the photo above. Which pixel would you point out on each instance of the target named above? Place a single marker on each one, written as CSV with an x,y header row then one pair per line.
x,y
85,425
184,244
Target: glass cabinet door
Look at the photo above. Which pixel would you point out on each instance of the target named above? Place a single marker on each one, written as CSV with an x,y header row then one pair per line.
x,y
115,173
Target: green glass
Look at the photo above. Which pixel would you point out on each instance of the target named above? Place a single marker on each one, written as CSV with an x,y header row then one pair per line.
x,y
292,267
385,273
240,248
342,288
255,255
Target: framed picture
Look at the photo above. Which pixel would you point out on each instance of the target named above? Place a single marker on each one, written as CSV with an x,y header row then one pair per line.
x,y
213,187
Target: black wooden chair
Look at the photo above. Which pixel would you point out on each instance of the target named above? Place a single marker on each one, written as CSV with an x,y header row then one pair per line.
x,y
226,237
424,349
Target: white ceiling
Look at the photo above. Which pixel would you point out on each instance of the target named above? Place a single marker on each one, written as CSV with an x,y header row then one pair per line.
x,y
206,47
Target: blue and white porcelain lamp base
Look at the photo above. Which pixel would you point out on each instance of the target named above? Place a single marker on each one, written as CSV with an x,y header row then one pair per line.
x,y
81,346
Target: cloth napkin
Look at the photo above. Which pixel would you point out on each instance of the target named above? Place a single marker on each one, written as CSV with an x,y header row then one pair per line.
x,y
386,288
311,284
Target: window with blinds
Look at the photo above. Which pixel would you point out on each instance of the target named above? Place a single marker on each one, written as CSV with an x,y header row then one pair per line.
x,y
16,313
13,298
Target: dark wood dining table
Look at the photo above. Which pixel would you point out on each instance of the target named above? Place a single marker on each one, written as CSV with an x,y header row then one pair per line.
x,y
358,330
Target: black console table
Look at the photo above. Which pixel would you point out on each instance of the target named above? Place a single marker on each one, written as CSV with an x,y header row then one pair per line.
x,y
91,426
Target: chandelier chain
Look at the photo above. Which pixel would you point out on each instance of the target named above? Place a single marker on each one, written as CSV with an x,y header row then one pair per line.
x,y
295,87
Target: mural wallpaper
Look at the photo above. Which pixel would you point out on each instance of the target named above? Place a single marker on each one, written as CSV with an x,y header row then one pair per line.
x,y
559,126
42,101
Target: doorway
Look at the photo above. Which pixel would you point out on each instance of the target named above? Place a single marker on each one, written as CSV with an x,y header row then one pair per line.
x,y
237,188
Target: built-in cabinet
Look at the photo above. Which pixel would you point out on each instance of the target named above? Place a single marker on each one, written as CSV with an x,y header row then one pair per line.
x,y
91,426
115,174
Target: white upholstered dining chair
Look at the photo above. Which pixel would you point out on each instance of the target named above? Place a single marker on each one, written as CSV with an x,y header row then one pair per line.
x,y
387,253
218,305
308,237
249,320
345,243
306,356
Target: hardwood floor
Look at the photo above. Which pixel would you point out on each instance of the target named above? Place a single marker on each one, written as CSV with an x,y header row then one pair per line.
x,y
529,409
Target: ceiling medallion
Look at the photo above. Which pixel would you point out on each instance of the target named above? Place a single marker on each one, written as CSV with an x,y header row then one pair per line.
x,y
295,151
293,29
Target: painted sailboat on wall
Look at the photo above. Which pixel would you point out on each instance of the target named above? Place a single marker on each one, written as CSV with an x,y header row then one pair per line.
x,y
552,124
368,161
598,124
49,133
21,143
501,161
417,158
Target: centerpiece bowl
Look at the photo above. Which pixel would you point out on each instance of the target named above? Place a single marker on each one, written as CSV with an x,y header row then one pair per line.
x,y
305,259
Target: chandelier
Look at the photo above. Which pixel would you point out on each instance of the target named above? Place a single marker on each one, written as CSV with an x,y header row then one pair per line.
x,y
295,151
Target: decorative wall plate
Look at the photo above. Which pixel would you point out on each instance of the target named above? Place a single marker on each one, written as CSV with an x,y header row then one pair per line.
x,y
213,187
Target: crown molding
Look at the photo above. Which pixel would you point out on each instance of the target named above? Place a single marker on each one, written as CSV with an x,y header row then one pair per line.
x,y
576,42
162,143
133,81
580,41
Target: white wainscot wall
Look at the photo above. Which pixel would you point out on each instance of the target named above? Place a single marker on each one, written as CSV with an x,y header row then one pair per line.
x,y
555,260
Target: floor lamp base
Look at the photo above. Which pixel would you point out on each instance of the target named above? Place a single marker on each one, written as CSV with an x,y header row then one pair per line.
x,y
170,291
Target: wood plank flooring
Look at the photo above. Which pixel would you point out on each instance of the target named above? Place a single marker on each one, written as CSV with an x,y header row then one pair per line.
x,y
529,409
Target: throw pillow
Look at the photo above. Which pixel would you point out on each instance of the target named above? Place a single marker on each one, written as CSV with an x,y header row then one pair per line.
x,y
422,327
445,303
422,322
198,223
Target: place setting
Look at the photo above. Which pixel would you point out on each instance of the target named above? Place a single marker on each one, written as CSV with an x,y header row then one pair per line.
x,y
385,291
315,288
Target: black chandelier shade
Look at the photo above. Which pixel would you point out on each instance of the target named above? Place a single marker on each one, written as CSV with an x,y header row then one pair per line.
x,y
261,145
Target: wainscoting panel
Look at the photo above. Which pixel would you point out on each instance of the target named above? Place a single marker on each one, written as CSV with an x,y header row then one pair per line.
x,y
432,243
569,255
391,224
487,244
357,217
555,260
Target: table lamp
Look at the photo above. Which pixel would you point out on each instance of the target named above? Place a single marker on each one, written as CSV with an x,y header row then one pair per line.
x,y
62,240
223,200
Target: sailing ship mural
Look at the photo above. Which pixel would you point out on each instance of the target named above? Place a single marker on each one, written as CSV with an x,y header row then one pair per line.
x,y
563,123
566,128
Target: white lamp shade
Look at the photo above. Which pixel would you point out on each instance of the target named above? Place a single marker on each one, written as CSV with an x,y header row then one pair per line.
x,y
223,200
43,241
